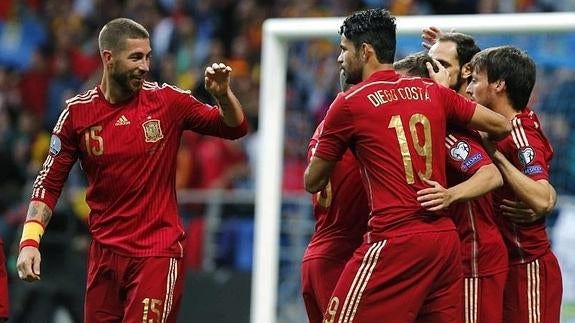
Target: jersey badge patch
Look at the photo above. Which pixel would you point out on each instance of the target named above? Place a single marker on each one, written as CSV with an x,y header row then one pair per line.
x,y
55,145
526,155
460,151
152,130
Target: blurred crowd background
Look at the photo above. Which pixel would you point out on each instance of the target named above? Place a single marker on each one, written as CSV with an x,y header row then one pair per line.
x,y
48,53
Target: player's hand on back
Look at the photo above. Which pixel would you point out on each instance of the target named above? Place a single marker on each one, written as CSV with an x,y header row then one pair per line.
x,y
217,79
518,212
28,264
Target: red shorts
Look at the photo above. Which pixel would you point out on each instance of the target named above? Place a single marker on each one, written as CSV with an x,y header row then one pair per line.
x,y
127,289
3,284
318,278
411,278
483,298
533,291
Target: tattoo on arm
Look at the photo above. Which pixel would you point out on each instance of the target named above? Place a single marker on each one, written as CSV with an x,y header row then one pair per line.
x,y
40,212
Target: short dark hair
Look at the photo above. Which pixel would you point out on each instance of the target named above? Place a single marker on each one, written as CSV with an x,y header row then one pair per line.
x,y
465,46
511,65
415,64
114,34
375,27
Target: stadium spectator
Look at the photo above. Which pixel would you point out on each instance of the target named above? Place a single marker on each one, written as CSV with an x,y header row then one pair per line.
x,y
126,133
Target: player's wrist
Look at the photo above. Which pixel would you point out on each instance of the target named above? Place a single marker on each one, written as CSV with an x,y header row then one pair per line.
x,y
32,233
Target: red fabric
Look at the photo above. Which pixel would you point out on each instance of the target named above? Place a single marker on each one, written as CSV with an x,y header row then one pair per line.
x,y
533,291
128,152
4,299
318,279
483,298
528,149
483,250
397,128
409,278
128,289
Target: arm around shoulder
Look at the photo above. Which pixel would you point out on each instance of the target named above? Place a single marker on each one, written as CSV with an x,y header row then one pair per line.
x,y
491,122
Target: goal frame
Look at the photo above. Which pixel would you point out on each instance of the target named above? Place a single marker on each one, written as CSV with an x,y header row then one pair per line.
x,y
278,33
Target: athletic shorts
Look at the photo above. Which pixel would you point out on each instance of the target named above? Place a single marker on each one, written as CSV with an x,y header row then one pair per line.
x,y
132,290
410,278
318,278
533,291
4,300
483,298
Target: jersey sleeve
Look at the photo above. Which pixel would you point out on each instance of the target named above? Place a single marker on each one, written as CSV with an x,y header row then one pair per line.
x,y
200,117
337,131
465,152
61,157
529,150
459,110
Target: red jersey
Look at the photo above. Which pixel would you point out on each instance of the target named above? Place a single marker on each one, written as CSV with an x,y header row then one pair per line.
x,y
341,210
128,152
482,248
528,149
396,128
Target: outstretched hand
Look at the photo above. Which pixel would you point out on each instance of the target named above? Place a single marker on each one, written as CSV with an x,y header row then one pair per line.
x,y
217,79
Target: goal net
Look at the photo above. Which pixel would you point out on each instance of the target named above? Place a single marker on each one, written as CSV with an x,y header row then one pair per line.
x,y
277,36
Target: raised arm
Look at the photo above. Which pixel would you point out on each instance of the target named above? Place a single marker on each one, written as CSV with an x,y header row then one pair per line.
x,y
217,82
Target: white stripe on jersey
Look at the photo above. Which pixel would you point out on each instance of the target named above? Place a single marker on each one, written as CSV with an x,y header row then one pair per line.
x,y
471,300
450,140
518,134
359,282
533,292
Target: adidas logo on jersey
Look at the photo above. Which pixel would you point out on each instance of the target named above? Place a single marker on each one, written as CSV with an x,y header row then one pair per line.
x,y
122,121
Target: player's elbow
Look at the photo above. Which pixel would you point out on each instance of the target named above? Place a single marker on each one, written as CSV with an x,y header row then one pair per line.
x,y
313,184
543,206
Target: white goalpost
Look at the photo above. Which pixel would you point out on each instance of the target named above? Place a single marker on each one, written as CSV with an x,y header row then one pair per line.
x,y
277,34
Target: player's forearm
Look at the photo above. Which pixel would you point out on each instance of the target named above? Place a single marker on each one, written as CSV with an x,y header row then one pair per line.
x,y
485,179
537,195
39,211
493,123
37,218
230,108
316,175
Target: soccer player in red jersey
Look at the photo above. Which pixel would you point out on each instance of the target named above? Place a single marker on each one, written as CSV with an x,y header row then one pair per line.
x,y
485,263
409,266
341,211
126,133
4,300
503,78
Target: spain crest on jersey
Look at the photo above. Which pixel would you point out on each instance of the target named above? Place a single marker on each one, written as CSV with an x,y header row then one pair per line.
x,y
152,130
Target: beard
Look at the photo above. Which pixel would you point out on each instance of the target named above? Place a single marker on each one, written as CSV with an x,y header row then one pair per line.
x,y
127,81
352,76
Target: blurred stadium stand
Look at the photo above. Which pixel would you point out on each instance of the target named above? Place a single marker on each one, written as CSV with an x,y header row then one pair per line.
x,y
48,52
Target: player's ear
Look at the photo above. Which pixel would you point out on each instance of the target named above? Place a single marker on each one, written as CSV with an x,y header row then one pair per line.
x,y
500,85
106,56
466,71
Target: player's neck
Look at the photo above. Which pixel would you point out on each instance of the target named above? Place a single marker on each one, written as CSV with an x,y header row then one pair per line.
x,y
369,69
504,107
113,93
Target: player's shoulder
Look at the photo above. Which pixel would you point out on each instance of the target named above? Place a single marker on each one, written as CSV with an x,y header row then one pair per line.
x,y
84,98
156,88
526,120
